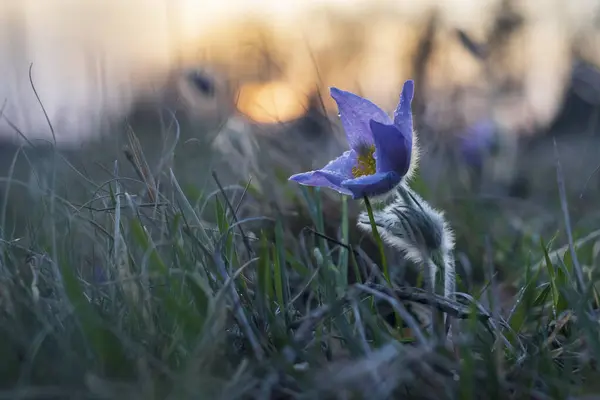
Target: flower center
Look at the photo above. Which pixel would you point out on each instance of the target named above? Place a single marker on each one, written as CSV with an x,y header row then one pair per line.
x,y
366,162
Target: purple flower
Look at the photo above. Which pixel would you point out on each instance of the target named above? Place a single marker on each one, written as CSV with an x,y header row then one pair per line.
x,y
100,275
477,142
380,149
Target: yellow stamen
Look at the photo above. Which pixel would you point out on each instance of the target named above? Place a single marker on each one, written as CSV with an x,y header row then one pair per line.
x,y
366,162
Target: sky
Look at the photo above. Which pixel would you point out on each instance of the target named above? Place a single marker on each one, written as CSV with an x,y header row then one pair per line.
x,y
95,58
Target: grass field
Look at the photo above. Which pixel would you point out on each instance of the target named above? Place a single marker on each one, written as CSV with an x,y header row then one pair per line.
x,y
203,288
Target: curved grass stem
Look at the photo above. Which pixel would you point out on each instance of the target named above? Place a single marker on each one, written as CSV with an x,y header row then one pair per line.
x,y
384,264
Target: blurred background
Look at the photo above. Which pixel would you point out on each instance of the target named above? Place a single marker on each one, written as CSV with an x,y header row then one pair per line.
x,y
241,87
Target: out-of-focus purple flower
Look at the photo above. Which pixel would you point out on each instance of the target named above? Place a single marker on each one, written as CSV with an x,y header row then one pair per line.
x,y
477,142
100,275
380,148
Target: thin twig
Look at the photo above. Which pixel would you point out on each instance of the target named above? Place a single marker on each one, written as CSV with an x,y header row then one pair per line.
x,y
234,216
305,325
443,304
142,205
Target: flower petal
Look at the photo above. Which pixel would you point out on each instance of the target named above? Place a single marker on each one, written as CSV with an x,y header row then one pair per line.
x,y
321,179
355,113
392,148
372,185
331,175
403,113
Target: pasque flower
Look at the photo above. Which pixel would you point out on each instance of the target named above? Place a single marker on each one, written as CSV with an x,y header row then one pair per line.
x,y
421,232
477,142
382,151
